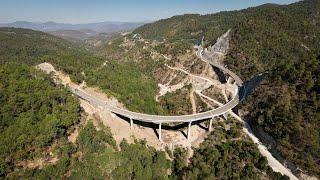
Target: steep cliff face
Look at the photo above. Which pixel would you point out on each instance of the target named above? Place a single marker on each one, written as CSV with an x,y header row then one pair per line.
x,y
222,44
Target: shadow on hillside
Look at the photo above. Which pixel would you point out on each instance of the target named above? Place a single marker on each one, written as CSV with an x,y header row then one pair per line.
x,y
221,75
170,126
251,85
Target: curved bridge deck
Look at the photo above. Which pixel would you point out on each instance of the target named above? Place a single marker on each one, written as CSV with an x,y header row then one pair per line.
x,y
240,93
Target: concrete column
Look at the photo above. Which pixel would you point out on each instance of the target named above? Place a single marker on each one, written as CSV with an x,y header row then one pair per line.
x,y
189,131
160,132
202,41
225,116
210,125
131,123
229,79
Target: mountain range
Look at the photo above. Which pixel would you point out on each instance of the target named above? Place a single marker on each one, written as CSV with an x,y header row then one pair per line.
x,y
107,26
76,32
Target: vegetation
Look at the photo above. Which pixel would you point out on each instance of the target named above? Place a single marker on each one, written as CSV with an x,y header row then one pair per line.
x,y
139,162
190,27
34,47
225,154
36,114
229,160
174,48
33,113
287,105
178,102
95,156
124,80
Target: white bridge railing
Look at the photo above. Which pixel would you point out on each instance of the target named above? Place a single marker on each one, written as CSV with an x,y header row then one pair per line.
x,y
167,119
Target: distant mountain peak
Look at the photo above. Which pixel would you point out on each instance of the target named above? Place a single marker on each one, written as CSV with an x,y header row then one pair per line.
x,y
269,5
100,27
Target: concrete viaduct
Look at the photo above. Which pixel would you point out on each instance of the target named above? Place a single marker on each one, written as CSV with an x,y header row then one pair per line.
x,y
159,120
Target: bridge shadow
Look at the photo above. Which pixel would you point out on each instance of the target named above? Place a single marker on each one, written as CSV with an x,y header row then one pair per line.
x,y
249,86
153,126
200,124
170,127
156,132
197,123
244,91
221,75
141,123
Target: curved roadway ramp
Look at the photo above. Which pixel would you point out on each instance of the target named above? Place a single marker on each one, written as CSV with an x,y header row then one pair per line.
x,y
157,119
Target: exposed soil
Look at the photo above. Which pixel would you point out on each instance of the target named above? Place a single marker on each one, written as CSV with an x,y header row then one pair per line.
x,y
120,127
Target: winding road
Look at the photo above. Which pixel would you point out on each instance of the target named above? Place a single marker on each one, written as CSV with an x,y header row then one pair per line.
x,y
240,94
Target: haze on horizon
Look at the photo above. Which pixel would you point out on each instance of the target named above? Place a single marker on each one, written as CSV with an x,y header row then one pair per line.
x,y
82,11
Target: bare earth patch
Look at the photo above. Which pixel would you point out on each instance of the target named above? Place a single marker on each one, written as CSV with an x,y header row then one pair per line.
x,y
120,128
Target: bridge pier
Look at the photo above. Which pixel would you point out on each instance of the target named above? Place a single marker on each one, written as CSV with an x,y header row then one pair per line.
x,y
189,130
159,133
210,125
131,123
228,79
225,116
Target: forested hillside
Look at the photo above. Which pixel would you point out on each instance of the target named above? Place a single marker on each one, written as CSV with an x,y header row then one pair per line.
x,y
285,42
122,80
282,41
37,116
95,155
33,47
33,114
225,154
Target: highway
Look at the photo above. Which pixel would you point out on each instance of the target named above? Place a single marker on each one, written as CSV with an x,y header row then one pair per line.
x,y
167,119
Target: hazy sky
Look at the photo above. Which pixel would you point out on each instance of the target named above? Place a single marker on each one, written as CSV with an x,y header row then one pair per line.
x,y
84,11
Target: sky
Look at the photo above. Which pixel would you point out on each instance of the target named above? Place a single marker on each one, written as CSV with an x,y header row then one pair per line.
x,y
86,11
